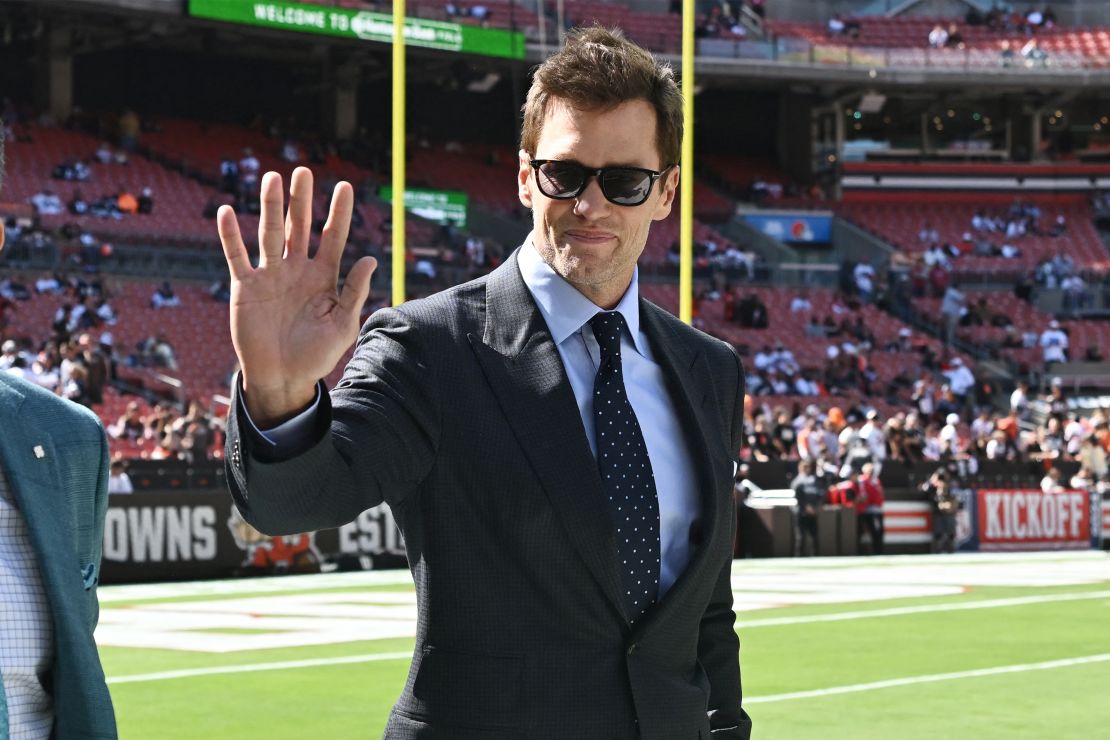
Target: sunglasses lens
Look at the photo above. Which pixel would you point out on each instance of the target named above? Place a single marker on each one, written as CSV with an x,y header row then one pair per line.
x,y
560,179
626,186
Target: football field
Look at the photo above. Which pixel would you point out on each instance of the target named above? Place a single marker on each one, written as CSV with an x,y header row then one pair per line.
x,y
967,646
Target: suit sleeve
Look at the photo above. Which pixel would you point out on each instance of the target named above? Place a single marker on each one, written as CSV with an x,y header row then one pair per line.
x,y
718,644
100,511
373,440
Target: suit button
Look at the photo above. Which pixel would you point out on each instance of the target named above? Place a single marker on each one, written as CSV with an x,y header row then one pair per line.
x,y
632,648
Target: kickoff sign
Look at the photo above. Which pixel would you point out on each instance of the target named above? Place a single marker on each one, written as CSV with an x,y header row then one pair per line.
x,y
1030,519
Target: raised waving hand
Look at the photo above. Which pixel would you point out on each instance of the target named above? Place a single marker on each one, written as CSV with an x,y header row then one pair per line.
x,y
289,323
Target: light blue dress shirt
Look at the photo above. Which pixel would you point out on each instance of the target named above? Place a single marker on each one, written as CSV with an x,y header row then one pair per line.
x,y
566,312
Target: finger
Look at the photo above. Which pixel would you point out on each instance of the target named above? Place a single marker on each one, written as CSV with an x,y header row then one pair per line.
x,y
357,287
338,226
298,222
235,252
271,236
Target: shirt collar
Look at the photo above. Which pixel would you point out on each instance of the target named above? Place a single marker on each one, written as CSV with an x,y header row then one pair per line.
x,y
563,308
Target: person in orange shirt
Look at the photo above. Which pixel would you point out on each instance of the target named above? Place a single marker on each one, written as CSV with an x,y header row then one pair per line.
x,y
126,202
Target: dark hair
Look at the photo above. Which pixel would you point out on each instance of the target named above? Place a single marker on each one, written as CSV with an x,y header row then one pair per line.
x,y
598,69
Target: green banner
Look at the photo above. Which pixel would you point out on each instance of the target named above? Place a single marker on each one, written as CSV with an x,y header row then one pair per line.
x,y
440,206
361,24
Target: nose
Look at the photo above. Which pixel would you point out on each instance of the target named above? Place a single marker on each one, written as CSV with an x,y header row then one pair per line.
x,y
591,203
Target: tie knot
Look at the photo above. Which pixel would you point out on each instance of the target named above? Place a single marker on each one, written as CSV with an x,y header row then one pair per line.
x,y
607,329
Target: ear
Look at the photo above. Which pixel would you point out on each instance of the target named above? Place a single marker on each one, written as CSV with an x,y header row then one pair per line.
x,y
668,187
1,236
523,179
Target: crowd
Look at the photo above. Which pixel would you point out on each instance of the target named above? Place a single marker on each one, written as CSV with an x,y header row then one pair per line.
x,y
79,359
839,446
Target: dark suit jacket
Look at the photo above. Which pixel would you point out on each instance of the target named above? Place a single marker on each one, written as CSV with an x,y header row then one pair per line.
x,y
456,411
63,496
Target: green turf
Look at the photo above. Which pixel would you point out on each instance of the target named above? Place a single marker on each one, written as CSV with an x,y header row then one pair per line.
x,y
353,700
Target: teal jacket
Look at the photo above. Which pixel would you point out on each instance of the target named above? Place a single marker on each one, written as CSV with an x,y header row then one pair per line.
x,y
55,458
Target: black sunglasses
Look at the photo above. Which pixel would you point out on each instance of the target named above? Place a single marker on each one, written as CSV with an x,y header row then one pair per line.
x,y
624,186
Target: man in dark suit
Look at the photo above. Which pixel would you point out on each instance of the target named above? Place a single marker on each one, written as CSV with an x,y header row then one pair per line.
x,y
558,452
53,498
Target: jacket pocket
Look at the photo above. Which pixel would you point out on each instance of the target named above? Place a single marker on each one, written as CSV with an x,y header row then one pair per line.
x,y
468,689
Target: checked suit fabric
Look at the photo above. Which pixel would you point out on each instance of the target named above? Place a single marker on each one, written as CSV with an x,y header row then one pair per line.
x,y
625,472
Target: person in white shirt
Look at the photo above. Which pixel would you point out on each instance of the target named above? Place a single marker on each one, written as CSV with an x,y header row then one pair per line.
x,y
950,434
118,479
864,275
938,37
800,303
1019,400
873,435
1054,342
960,378
1050,483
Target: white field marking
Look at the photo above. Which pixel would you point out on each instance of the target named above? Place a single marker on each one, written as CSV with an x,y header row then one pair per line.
x,y
284,665
925,609
261,622
933,678
262,585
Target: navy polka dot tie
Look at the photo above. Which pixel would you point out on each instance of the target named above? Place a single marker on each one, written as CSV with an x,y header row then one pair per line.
x,y
626,474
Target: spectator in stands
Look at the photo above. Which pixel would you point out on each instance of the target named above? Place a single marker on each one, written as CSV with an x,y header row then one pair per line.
x,y
952,309
836,25
229,176
864,276
955,39
290,152
949,434
1006,55
938,37
982,428
164,297
103,153
1001,447
129,425
751,312
1076,297
1033,54
146,201
126,202
873,435
961,380
1019,400
1054,343
928,234
118,479
47,203
1051,482
249,167
801,303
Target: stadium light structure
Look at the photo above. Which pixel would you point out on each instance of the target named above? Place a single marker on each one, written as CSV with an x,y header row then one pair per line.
x,y
398,263
686,184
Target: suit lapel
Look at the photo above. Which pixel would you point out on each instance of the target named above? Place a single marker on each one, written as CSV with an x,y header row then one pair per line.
x,y
522,364
690,385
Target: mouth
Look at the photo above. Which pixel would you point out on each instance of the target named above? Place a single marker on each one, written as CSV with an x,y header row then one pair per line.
x,y
588,237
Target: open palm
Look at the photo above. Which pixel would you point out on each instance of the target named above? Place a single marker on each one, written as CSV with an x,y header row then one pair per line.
x,y
289,324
